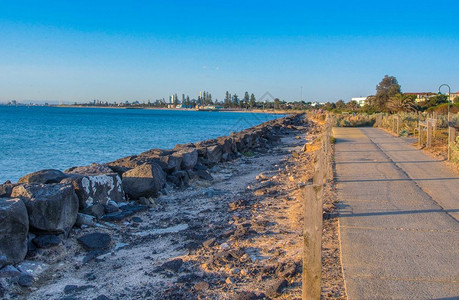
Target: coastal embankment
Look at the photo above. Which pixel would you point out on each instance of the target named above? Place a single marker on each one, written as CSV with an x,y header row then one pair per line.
x,y
217,219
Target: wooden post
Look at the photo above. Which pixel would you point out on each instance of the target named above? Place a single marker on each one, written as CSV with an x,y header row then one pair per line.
x,y
318,177
312,244
393,124
451,140
429,135
420,134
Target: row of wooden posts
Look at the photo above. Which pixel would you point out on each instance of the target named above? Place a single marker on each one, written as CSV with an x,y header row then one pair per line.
x,y
313,217
429,126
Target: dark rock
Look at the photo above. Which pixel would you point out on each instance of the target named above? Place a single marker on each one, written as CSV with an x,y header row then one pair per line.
x,y
201,286
276,287
52,208
6,189
214,154
189,157
9,272
172,265
84,219
126,211
3,261
43,176
136,219
288,269
111,207
96,210
246,296
14,227
93,169
209,242
25,280
46,241
93,188
102,297
72,289
200,167
95,241
144,181
204,175
172,162
188,278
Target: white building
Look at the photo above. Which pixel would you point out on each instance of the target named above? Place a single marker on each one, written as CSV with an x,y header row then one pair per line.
x,y
360,100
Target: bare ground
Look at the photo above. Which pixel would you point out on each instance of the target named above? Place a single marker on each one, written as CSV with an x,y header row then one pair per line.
x,y
236,237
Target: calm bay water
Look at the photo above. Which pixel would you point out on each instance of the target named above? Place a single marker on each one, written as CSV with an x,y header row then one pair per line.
x,y
38,138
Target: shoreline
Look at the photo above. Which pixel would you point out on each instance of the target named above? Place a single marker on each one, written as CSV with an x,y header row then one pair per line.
x,y
274,112
250,244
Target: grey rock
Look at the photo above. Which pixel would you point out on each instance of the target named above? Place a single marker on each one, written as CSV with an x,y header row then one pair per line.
x,y
94,189
25,280
46,241
43,176
144,181
95,241
9,272
111,207
276,287
6,189
214,154
189,157
172,265
14,227
204,175
92,169
96,210
52,208
83,219
3,261
172,162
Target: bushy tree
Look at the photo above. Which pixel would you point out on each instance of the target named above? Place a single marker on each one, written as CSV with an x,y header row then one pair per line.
x,y
353,105
252,101
400,102
340,104
387,88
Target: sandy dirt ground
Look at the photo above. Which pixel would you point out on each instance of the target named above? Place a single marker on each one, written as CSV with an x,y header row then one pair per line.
x,y
238,236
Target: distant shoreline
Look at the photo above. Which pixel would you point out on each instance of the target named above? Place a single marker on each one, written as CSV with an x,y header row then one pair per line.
x,y
274,112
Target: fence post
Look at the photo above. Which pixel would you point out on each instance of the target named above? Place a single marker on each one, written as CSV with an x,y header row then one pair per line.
x,y
429,134
312,244
451,140
420,134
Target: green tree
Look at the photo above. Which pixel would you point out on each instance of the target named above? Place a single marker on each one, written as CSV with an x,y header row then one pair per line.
x,y
235,100
276,103
227,102
340,104
246,99
252,101
387,88
353,105
400,102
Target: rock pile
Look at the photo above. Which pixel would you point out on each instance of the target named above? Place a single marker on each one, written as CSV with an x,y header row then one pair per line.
x,y
41,209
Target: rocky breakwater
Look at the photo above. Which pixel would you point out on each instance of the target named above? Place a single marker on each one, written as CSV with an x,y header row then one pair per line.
x,y
40,210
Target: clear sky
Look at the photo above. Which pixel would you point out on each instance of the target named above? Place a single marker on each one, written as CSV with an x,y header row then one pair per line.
x,y
140,50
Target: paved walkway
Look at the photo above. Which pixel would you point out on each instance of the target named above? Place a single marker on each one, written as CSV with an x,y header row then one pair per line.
x,y
398,212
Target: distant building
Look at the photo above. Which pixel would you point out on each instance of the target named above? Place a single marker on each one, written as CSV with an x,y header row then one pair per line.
x,y
360,100
422,96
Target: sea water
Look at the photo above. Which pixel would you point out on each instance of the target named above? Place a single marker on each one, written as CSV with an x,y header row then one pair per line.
x,y
35,138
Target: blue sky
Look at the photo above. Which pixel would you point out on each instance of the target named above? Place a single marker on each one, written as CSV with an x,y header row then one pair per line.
x,y
141,50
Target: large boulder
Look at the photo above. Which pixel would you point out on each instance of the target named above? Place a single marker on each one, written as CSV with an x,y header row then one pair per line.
x,y
144,181
6,189
14,228
214,154
43,176
52,208
189,157
172,163
95,184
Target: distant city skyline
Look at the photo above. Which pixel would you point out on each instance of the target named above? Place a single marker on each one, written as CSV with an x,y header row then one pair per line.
x,y
117,50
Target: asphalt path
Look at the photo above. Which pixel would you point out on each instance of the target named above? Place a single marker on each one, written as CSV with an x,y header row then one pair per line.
x,y
398,216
